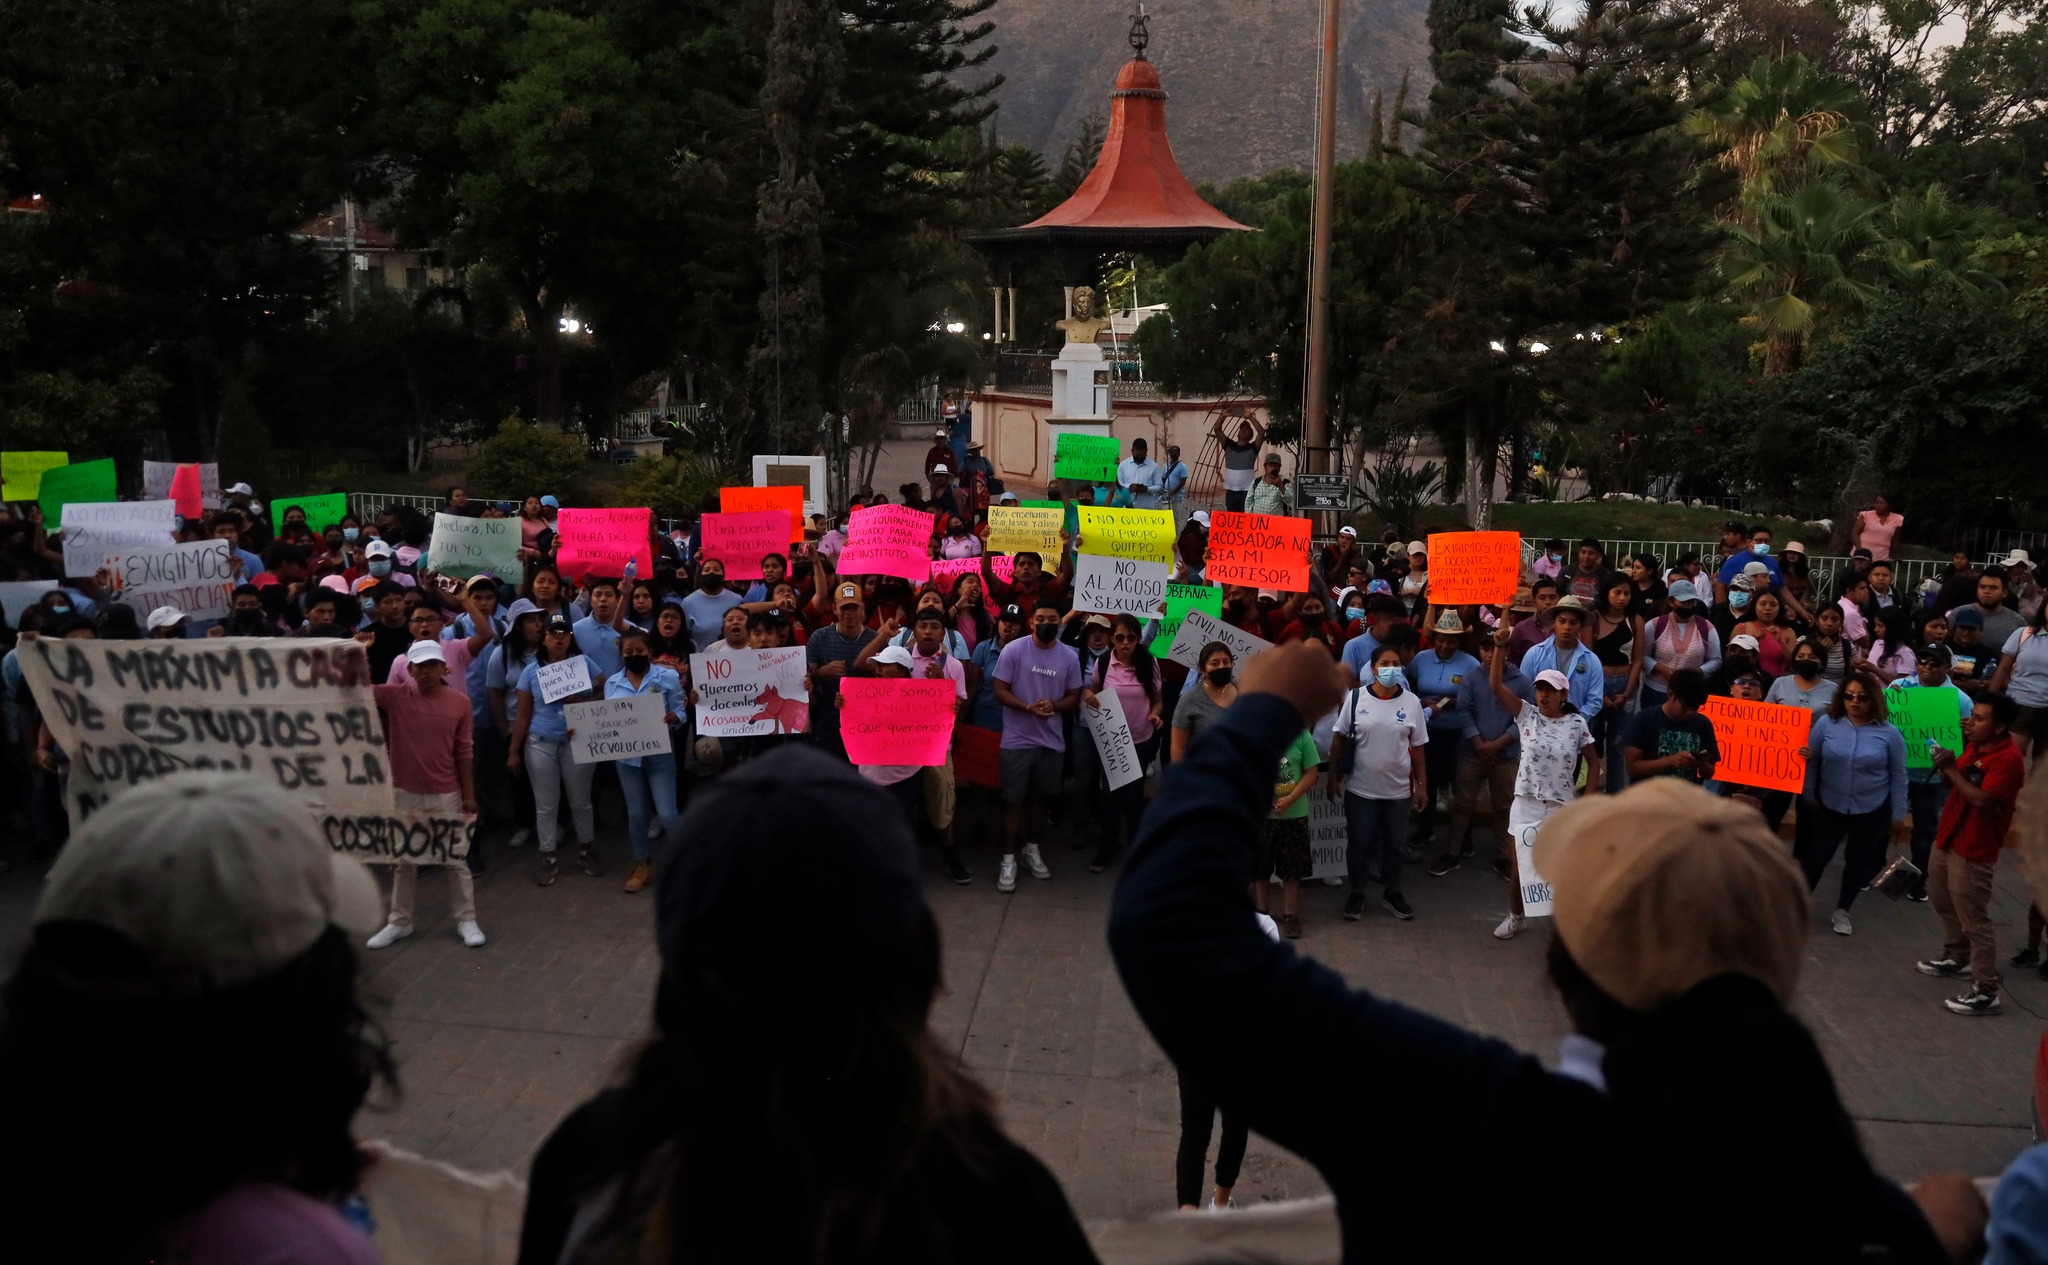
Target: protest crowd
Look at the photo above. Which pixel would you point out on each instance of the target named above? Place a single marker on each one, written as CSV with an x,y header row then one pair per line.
x,y
1263,730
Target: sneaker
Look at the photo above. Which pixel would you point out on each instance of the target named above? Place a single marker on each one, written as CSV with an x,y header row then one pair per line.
x,y
1354,906
955,868
1225,1206
1939,966
1334,880
1397,905
1500,867
1006,876
547,871
472,935
2026,957
1508,927
1917,893
1290,926
587,861
1445,864
639,876
1840,923
520,838
1974,1002
1413,852
1034,862
1105,856
390,935
1466,848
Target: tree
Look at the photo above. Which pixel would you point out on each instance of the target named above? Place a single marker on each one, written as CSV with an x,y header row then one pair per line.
x,y
522,458
1952,72
1780,123
1078,159
1815,252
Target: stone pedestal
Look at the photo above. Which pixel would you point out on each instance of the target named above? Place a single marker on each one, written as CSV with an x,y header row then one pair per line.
x,y
1080,396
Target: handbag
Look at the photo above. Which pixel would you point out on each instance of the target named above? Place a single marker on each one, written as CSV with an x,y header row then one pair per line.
x,y
1342,765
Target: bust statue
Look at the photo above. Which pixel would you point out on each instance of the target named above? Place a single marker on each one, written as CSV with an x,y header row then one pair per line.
x,y
1084,325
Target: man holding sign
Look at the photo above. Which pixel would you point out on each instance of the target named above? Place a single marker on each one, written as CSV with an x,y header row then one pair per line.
x,y
1920,719
433,770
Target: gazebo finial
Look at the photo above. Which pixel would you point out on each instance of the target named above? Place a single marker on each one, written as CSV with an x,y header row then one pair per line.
x,y
1140,35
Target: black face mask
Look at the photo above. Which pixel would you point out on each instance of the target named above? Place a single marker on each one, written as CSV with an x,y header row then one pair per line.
x,y
637,664
1045,632
1219,677
710,583
1805,669
1311,618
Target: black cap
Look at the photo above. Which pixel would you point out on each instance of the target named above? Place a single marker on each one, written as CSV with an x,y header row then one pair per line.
x,y
1012,611
1933,653
559,623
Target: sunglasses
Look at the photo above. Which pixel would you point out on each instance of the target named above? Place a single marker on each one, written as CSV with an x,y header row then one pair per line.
x,y
1855,698
1123,637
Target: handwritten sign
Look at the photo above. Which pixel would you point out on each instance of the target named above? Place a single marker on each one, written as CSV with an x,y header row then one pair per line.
x,y
1329,837
1474,567
562,678
750,693
740,541
905,721
1180,599
197,578
977,756
1090,458
87,481
888,540
1920,714
1759,742
462,547
323,509
1525,823
1262,551
17,596
1119,586
623,728
784,499
603,541
91,532
1199,628
158,476
1114,749
407,838
1014,530
1143,535
21,473
296,711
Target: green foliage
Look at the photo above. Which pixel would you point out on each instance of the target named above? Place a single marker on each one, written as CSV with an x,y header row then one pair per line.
x,y
1396,491
527,460
678,484
1078,159
245,449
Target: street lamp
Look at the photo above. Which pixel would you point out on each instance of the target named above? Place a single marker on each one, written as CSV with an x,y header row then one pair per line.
x,y
956,327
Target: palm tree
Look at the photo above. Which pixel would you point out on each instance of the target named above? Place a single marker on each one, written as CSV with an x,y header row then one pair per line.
x,y
1780,123
1815,250
1930,235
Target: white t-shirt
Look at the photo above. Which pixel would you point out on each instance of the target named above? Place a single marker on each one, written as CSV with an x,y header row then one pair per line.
x,y
1550,754
1383,730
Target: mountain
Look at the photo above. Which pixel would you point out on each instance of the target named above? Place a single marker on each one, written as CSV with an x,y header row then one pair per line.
x,y
1240,75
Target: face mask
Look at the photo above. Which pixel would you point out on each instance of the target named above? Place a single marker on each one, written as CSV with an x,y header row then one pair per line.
x,y
956,531
710,583
1219,677
60,610
636,663
1388,676
1355,615
1311,618
1045,632
1805,669
380,568
334,542
1761,549
1738,599
350,533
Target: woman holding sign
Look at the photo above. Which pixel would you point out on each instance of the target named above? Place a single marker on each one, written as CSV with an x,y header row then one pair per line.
x,y
1133,674
1554,738
644,775
540,745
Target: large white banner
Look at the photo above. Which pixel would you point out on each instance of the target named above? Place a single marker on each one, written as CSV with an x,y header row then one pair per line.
x,y
1113,745
408,838
94,531
1199,628
17,596
750,693
617,728
197,578
299,712
1119,586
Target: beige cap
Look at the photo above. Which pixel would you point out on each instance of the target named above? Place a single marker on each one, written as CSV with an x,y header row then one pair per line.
x,y
1664,886
221,876
1448,622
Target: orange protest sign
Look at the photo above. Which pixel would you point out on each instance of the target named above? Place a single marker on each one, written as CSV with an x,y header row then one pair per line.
x,y
1261,551
755,500
1475,567
1759,742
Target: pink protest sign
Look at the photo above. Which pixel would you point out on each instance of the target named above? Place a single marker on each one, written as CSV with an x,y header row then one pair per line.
x,y
601,542
905,721
185,492
947,571
889,540
740,541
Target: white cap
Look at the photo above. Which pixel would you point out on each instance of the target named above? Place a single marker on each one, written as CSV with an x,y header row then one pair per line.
x,y
424,652
377,549
1007,498
940,469
894,654
1200,516
1755,568
1744,640
164,617
1553,678
1417,546
1347,531
222,877
239,489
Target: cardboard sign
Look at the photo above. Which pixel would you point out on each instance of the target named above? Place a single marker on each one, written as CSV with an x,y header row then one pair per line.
x,y
197,578
740,541
977,756
1142,535
84,481
1180,599
947,571
1474,567
907,721
296,711
783,499
602,541
1119,586
1759,741
407,838
562,678
1015,530
462,547
1261,551
158,477
21,473
750,693
92,532
622,728
1043,505
1328,835
1199,628
1919,714
1525,822
1089,458
323,510
1114,749
888,540
17,596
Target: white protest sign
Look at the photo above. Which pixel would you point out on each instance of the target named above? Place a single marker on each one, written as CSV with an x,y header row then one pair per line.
x,y
1119,586
750,693
1523,825
91,532
197,578
408,838
298,712
617,728
1199,628
1113,745
462,547
157,476
1327,834
559,680
17,596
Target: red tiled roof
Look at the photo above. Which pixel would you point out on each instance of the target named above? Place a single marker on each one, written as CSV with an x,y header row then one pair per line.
x,y
370,235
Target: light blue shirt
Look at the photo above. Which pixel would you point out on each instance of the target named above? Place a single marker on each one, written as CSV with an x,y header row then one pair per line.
x,y
1433,678
1480,715
1855,768
659,680
1145,472
1176,481
548,723
599,644
1358,652
477,679
1585,679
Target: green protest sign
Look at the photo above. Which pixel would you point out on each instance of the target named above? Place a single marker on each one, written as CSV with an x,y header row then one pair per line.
x,y
463,547
323,510
1920,714
1091,458
83,482
1040,505
1180,599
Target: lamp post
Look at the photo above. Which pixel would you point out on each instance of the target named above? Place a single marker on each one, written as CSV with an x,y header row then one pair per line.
x,y
1316,394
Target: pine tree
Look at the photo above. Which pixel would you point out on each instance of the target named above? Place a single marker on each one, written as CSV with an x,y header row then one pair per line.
x,y
1079,158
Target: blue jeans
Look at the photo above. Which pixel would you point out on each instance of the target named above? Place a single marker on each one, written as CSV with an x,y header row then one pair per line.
x,y
1370,821
656,776
1924,801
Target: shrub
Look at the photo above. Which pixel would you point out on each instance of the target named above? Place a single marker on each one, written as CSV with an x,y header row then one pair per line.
x,y
676,485
522,460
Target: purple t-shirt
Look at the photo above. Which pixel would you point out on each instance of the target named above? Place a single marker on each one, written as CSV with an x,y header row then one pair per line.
x,y
1035,672
265,1224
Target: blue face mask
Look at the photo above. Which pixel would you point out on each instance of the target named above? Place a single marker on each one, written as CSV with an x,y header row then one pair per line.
x,y
1356,614
1761,549
1737,599
1388,676
380,568
350,533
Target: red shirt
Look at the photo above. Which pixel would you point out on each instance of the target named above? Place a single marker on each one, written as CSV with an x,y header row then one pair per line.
x,y
1976,834
427,734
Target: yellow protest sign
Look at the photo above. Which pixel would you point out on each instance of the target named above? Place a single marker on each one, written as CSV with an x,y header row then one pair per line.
x,y
1014,530
1141,535
21,473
